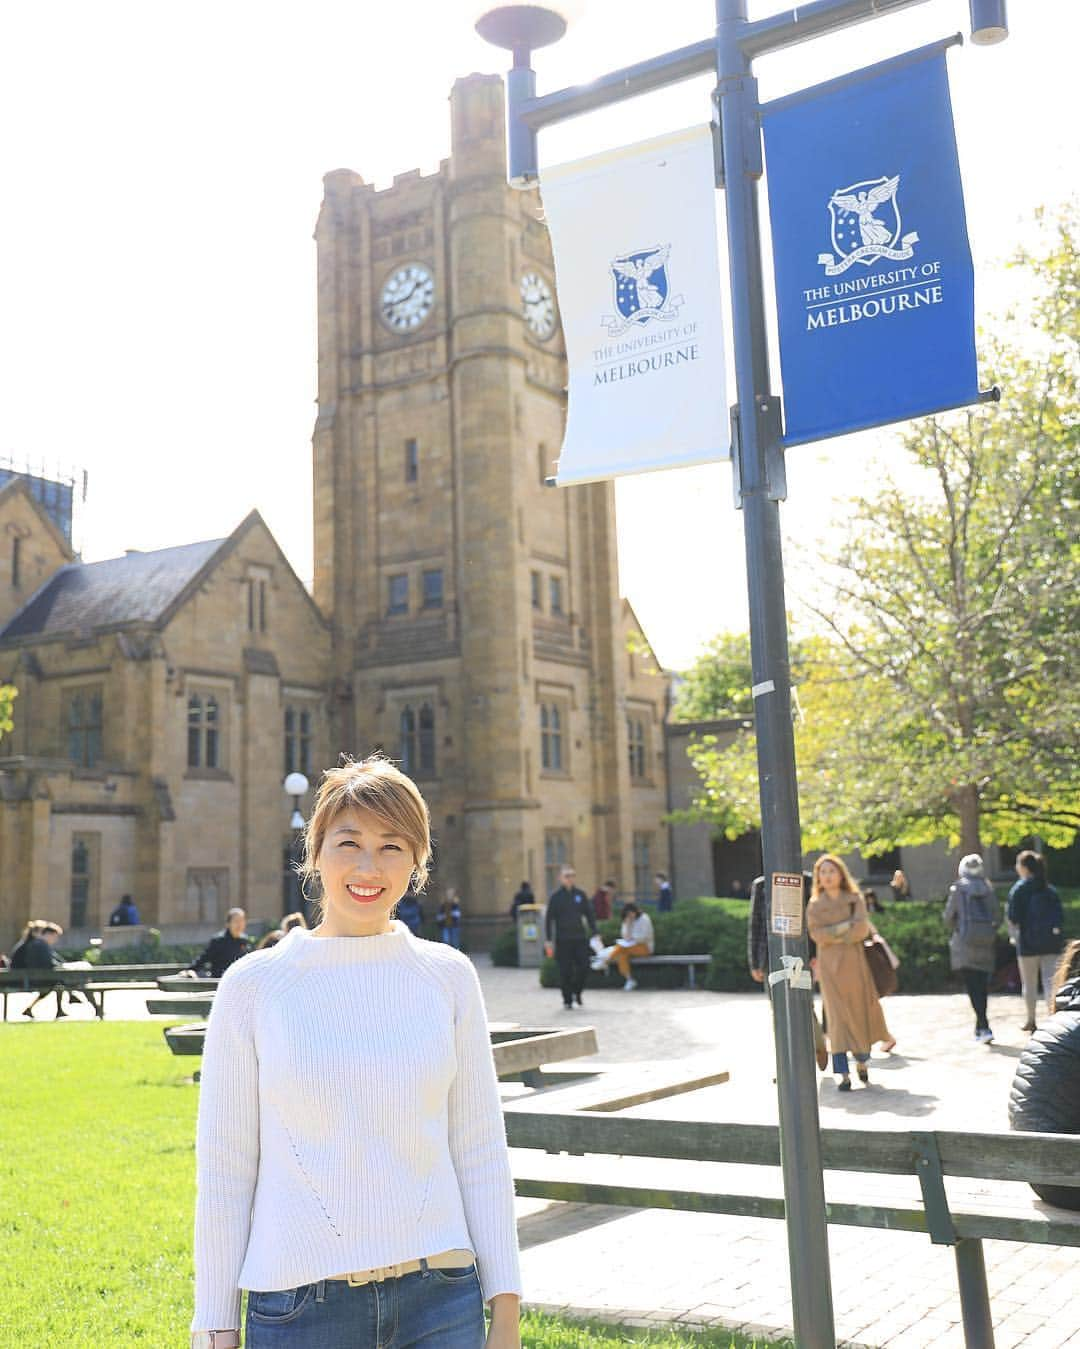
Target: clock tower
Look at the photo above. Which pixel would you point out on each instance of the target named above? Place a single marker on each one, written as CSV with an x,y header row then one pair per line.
x,y
478,634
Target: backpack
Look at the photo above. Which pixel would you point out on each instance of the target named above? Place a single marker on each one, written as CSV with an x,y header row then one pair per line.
x,y
1043,916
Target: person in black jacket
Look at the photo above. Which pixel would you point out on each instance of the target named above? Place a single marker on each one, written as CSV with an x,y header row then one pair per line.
x,y
226,947
1036,926
757,951
34,951
568,924
1045,1095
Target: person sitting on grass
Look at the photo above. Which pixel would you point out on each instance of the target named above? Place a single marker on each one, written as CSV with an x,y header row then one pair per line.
x,y
635,939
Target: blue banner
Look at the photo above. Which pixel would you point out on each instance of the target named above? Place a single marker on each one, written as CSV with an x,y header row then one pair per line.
x,y
874,284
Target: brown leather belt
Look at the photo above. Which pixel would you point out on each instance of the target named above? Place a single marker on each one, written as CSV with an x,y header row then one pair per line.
x,y
444,1260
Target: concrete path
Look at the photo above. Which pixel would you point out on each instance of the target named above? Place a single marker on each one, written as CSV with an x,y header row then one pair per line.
x,y
889,1289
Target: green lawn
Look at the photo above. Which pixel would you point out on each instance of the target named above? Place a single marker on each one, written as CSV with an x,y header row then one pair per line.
x,y
97,1176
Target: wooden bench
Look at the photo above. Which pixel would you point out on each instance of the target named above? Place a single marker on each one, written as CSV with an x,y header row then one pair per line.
x,y
518,1052
94,982
691,964
177,983
180,1004
962,1219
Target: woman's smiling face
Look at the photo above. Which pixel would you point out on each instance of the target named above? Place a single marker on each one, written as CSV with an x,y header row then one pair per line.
x,y
365,869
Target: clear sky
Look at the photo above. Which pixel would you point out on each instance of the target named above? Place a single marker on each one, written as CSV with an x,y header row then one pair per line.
x,y
162,172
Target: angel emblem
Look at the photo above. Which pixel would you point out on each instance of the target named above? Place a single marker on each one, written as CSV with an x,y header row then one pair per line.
x,y
862,200
639,268
641,282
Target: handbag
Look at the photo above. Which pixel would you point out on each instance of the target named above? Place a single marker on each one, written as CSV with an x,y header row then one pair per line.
x,y
883,964
882,970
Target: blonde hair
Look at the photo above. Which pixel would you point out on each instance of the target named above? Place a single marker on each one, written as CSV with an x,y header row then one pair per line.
x,y
292,920
847,881
1068,968
377,785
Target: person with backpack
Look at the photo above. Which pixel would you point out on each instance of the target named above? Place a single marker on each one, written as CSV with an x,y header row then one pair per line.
x,y
1037,927
973,912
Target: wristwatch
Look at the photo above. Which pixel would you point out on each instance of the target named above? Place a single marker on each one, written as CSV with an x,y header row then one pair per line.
x,y
215,1339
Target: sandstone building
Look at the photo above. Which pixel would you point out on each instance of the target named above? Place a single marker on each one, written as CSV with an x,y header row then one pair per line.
x,y
466,618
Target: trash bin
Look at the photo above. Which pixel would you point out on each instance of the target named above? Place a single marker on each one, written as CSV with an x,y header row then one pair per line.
x,y
530,935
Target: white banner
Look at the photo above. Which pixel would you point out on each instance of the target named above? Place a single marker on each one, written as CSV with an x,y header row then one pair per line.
x,y
638,276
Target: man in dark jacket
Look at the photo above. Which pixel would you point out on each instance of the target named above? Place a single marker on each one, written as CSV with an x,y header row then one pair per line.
x,y
226,947
757,950
568,924
757,930
1045,1095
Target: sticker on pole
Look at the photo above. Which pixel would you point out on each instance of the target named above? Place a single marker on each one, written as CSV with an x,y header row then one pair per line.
x,y
787,903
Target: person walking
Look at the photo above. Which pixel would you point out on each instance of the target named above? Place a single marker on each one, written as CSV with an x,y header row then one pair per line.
x,y
351,1160
125,914
973,913
837,921
1037,926
225,947
568,924
665,896
449,919
411,912
636,938
899,886
603,900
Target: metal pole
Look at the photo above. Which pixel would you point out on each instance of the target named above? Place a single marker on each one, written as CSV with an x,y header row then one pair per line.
x,y
759,453
974,1294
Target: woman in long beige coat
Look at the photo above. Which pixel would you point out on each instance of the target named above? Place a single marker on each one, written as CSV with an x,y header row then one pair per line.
x,y
837,922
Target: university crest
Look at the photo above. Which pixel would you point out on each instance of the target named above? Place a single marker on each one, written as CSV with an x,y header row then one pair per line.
x,y
642,290
864,225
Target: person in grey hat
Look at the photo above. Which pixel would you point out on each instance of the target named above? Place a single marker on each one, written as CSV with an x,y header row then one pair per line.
x,y
973,912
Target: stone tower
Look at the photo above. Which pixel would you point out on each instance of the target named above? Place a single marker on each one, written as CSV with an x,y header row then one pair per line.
x,y
477,626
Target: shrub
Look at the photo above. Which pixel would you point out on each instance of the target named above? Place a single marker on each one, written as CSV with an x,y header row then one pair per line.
x,y
504,949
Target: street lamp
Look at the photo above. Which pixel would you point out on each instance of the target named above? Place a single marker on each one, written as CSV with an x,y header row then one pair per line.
x,y
988,22
295,786
757,458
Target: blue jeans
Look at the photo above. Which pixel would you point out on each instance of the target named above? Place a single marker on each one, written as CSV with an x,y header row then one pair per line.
x,y
840,1063
435,1308
452,937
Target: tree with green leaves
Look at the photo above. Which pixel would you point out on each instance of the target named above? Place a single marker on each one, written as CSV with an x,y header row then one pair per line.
x,y
8,694
945,698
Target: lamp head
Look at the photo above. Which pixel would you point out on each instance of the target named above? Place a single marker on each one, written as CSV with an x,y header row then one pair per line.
x,y
989,22
296,820
296,784
525,27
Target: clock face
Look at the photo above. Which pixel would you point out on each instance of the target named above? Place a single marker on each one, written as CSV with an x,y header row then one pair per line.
x,y
407,298
537,305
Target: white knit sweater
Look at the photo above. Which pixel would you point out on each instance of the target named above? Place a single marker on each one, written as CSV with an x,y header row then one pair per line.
x,y
349,1117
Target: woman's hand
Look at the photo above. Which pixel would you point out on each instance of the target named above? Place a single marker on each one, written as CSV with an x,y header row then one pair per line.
x,y
504,1332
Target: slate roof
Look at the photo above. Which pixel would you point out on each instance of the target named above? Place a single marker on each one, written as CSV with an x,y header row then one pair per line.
x,y
138,588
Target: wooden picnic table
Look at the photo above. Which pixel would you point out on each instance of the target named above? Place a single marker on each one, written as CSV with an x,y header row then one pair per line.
x,y
176,983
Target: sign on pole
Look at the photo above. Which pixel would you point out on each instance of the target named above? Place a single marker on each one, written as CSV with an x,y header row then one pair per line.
x,y
874,284
634,235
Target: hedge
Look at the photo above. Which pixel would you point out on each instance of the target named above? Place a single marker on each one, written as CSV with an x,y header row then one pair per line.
x,y
915,931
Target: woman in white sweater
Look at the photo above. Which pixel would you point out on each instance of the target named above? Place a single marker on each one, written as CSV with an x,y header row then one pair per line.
x,y
352,1166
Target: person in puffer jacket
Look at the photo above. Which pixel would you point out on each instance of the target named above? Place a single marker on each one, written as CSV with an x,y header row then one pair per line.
x,y
973,913
1045,1094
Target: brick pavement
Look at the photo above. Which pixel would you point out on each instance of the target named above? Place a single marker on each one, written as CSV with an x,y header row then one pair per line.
x,y
889,1288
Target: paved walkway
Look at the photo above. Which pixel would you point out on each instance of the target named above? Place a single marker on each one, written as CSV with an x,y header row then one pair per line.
x,y
889,1289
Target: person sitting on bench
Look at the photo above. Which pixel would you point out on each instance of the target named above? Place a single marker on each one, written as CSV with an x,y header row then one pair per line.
x,y
636,939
